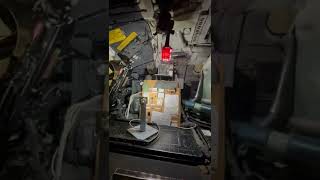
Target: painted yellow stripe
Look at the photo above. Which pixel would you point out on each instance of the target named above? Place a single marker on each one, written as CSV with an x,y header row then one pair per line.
x,y
127,41
116,35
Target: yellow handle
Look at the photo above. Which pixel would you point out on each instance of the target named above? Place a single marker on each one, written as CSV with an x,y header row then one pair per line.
x,y
127,41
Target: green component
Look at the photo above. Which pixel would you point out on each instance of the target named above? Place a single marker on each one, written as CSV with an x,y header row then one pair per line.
x,y
145,87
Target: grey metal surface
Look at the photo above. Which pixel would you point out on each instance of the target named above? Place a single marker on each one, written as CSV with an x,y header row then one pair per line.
x,y
96,25
307,96
156,167
257,45
89,33
142,29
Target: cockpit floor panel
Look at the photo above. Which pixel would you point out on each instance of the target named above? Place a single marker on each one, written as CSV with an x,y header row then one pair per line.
x,y
172,143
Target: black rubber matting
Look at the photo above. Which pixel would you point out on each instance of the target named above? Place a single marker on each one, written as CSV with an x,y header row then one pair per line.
x,y
172,144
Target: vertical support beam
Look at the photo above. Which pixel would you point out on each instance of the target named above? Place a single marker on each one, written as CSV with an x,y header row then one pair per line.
x,y
218,121
101,171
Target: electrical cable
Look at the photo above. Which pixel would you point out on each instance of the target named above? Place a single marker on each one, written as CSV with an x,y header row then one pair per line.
x,y
132,121
70,120
196,120
129,105
126,22
92,14
143,64
67,128
53,162
128,12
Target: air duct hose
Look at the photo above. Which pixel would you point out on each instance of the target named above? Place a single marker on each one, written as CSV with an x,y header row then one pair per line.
x,y
291,147
200,107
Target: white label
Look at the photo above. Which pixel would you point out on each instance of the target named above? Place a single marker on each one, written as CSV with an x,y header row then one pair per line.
x,y
171,104
160,118
160,95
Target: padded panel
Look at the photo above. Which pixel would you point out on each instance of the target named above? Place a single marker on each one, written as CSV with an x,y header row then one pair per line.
x,y
307,84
